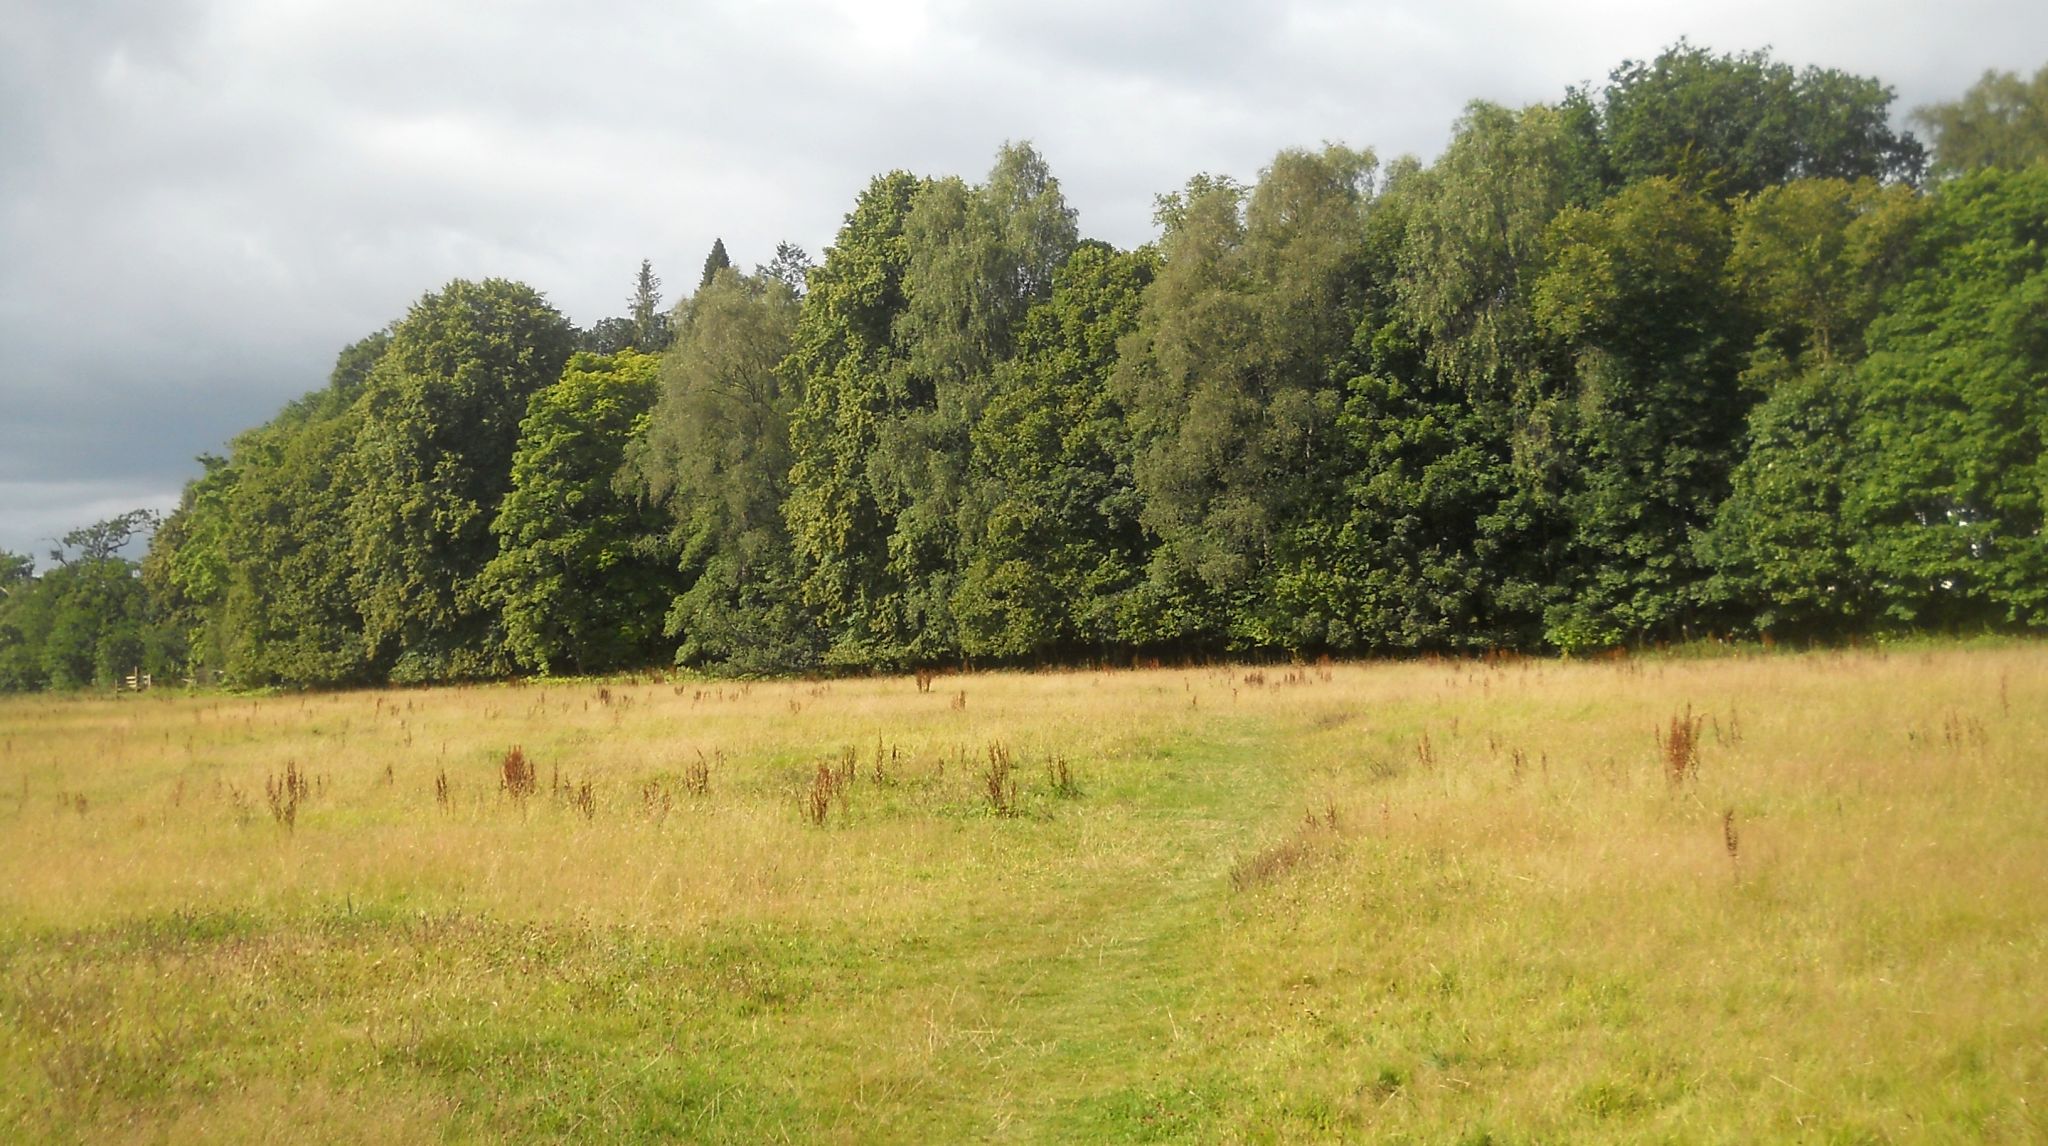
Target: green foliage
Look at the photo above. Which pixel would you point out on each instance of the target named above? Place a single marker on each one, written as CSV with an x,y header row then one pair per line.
x,y
1685,353
289,614
1633,294
1232,377
790,267
912,311
104,540
16,570
1950,478
23,626
1908,491
645,326
1473,241
84,622
1055,548
249,576
1444,529
440,417
184,574
1733,125
1811,258
1780,543
846,369
716,455
2002,121
1429,538
608,336
581,575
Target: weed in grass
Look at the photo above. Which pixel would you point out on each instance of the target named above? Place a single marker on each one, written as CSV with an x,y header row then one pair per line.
x,y
996,781
1959,732
960,701
517,777
1059,778
441,795
818,801
655,800
285,794
1680,746
885,764
697,775
1425,752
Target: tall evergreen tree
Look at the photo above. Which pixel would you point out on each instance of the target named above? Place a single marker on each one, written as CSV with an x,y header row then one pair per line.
x,y
714,262
651,332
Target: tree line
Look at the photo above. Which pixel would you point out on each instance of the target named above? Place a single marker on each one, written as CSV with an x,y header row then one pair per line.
x,y
1709,349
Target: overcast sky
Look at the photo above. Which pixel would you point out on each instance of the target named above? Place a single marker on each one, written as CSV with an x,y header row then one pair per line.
x,y
201,201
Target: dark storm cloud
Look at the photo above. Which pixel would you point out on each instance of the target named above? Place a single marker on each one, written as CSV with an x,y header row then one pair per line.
x,y
201,201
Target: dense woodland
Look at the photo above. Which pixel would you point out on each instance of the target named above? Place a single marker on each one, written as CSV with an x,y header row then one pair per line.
x,y
1710,349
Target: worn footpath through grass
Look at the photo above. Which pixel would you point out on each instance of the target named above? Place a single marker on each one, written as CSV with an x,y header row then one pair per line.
x,y
1706,900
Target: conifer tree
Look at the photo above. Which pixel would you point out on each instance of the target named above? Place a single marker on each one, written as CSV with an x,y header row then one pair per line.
x,y
650,325
714,262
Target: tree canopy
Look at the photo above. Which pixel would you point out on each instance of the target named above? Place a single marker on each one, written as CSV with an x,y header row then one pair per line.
x,y
1691,352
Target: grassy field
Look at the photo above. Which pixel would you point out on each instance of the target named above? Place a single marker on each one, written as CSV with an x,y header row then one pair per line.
x,y
1786,897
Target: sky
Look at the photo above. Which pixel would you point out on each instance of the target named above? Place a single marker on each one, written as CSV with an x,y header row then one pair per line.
x,y
203,201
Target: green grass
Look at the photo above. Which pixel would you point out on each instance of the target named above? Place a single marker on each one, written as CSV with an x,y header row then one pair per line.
x,y
1430,902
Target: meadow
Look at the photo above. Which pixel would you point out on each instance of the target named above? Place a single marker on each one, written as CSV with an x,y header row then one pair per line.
x,y
1727,898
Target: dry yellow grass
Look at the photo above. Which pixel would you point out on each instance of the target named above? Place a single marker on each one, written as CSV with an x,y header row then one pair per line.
x,y
1425,901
